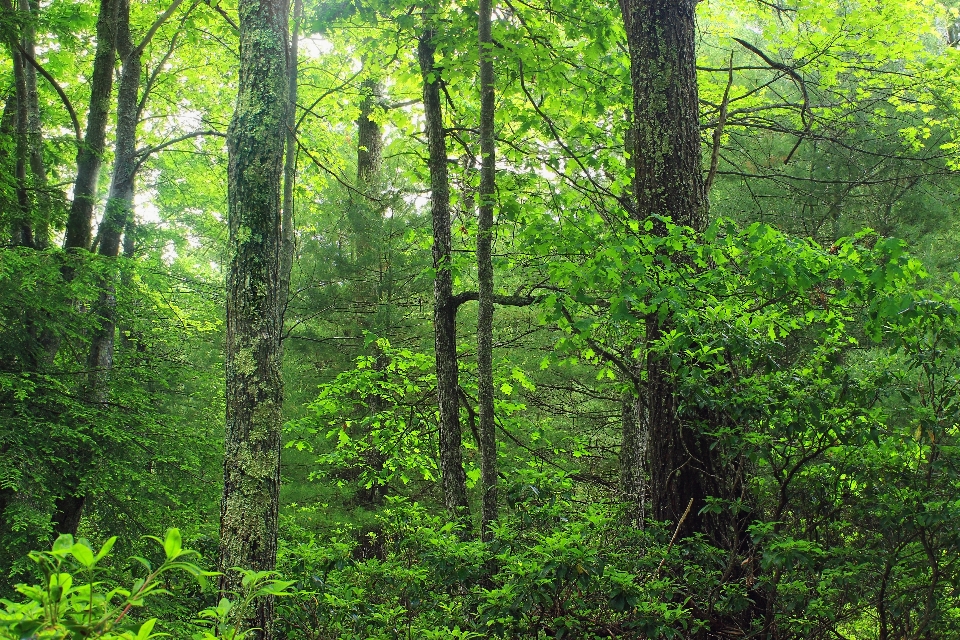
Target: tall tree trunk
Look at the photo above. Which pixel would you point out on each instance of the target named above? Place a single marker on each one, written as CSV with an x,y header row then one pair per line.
x,y
633,452
452,476
117,217
42,208
485,231
21,228
69,507
90,154
254,386
668,182
290,160
367,225
686,466
370,133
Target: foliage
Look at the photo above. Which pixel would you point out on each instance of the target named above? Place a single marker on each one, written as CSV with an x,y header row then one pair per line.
x,y
77,599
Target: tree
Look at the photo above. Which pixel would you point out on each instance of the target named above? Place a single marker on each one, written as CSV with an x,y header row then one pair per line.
x,y
668,183
444,308
485,232
254,387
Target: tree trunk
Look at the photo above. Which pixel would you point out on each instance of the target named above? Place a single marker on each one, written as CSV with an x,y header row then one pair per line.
x,y
254,386
668,182
633,452
367,230
21,228
370,133
290,161
79,232
42,205
118,209
485,231
452,476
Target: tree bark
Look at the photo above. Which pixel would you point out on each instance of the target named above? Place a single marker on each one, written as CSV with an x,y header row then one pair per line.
x,y
89,155
42,205
633,452
452,476
367,229
69,507
370,133
290,160
485,231
254,386
21,228
668,182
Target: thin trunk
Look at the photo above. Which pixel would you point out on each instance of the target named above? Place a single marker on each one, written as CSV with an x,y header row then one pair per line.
x,y
370,133
633,451
254,386
42,207
117,212
452,476
290,159
118,209
89,155
22,229
367,224
485,231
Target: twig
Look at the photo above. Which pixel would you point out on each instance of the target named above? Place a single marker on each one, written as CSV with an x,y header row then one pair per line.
x,y
718,130
674,538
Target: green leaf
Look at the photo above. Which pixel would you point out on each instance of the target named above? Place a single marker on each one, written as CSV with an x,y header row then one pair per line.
x,y
172,543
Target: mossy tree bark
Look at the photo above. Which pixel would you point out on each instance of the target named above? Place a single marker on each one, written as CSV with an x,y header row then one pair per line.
x,y
668,182
254,388
452,476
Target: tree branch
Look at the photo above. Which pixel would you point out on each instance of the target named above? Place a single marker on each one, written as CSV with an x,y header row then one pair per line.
x,y
56,86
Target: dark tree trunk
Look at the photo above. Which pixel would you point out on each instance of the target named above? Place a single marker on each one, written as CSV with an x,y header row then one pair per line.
x,y
89,155
668,182
370,133
633,452
485,231
42,205
69,507
117,217
452,476
254,387
686,464
21,228
367,226
119,207
290,161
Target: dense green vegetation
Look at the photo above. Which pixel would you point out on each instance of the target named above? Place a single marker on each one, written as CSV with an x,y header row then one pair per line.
x,y
567,348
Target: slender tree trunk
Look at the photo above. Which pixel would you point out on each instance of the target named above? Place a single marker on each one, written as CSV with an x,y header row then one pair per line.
x,y
69,508
668,182
633,452
485,231
290,160
452,476
367,227
42,207
254,386
370,133
90,154
119,207
22,230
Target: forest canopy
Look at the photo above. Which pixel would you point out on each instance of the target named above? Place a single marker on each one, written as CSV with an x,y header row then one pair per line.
x,y
496,319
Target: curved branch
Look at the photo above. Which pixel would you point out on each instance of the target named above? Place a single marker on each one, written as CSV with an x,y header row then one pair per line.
x,y
63,96
801,85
